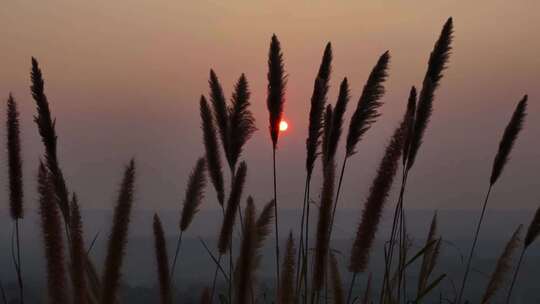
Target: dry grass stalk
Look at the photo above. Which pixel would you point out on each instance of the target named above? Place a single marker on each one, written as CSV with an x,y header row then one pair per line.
x,y
437,63
503,267
51,225
160,244
78,254
335,277
286,293
118,237
229,218
241,121
369,103
46,126
213,160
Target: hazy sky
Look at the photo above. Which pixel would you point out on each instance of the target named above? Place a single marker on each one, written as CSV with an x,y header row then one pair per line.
x,y
124,79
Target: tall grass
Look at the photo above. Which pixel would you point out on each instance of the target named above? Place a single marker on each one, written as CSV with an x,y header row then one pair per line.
x,y
275,101
118,237
51,225
501,158
15,183
231,124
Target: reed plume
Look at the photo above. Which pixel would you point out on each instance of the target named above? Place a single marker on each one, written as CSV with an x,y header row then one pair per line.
x,y
162,262
411,113
532,233
437,63
369,103
501,158
274,102
194,194
327,129
118,237
192,200
286,293
46,126
51,225
247,258
430,256
219,105
503,267
318,100
335,276
509,137
14,160
276,88
229,218
78,254
375,202
322,240
337,118
263,222
213,160
241,121
15,182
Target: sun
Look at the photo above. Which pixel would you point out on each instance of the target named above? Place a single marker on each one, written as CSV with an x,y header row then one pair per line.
x,y
283,126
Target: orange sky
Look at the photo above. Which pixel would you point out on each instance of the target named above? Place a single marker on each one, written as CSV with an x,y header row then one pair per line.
x,y
124,78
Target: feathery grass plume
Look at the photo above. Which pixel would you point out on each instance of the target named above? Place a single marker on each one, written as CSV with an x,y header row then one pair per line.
x,y
162,262
337,118
194,194
322,241
327,129
219,105
51,225
241,121
192,201
247,259
504,264
263,222
411,112
429,254
205,296
274,102
118,237
46,126
318,100
94,284
213,160
14,160
530,237
507,142
276,88
237,188
367,109
534,229
15,182
286,293
372,212
78,254
438,60
335,276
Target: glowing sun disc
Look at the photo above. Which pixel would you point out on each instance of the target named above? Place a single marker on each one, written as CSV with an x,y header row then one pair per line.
x,y
283,126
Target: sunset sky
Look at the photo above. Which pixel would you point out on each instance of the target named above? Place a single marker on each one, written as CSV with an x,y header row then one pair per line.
x,y
124,80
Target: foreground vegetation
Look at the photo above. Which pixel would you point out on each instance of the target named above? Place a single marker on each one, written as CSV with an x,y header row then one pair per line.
x,y
306,266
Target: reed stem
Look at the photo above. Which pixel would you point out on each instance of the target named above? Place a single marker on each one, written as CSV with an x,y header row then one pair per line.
x,y
478,226
514,278
276,218
177,251
351,286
